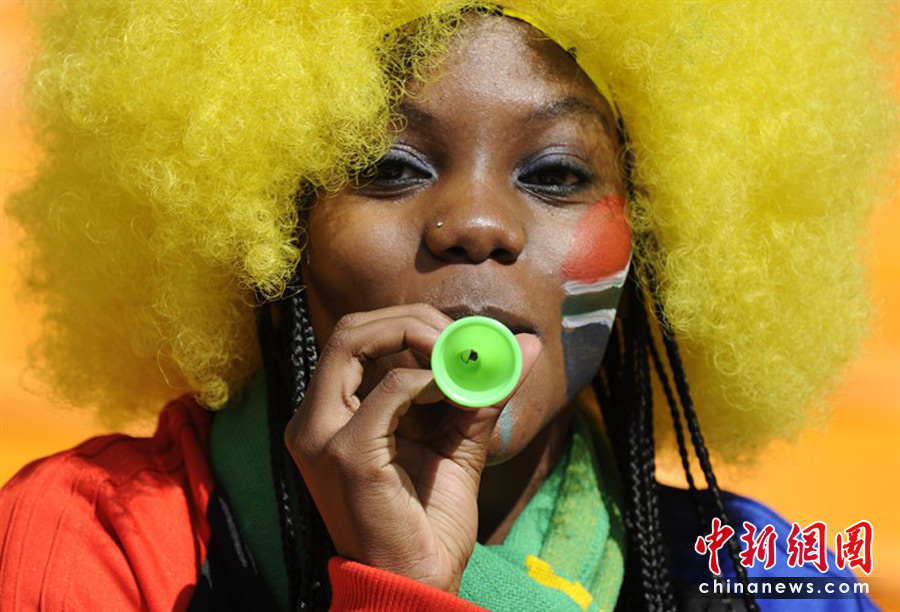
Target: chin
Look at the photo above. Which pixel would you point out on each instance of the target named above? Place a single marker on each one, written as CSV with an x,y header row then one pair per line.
x,y
516,431
505,444
497,454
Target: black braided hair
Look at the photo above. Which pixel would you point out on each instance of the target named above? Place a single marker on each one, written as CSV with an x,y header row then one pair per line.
x,y
289,355
663,378
625,395
690,415
703,517
626,398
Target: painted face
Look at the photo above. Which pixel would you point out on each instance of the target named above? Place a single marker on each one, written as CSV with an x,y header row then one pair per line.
x,y
500,196
594,272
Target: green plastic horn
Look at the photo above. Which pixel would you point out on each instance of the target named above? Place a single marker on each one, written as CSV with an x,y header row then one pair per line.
x,y
476,361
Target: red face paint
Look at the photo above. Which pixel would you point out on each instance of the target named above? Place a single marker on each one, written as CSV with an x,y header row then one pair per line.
x,y
602,243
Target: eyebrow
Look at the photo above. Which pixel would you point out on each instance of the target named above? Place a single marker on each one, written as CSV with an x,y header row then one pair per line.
x,y
563,107
415,115
569,106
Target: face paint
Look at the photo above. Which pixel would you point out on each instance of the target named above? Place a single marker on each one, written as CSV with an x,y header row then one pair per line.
x,y
594,272
602,243
505,428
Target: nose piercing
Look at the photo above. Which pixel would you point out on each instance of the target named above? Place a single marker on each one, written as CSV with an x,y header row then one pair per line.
x,y
440,224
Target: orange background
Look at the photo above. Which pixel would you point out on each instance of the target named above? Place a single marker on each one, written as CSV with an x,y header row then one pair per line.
x,y
845,474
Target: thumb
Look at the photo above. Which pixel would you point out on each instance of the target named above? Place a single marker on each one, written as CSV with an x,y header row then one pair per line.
x,y
531,348
477,424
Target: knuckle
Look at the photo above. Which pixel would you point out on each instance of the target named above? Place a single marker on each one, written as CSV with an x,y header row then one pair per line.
x,y
300,445
431,314
337,451
346,322
424,310
347,459
338,342
395,381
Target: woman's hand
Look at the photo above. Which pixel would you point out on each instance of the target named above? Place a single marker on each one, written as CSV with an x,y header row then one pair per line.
x,y
397,487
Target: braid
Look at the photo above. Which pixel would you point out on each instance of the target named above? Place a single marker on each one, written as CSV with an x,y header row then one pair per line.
x,y
315,543
628,411
663,378
693,424
626,371
289,354
275,375
655,571
292,327
301,566
321,545
623,387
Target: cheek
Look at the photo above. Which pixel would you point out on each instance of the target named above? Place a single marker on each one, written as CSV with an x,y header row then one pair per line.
x,y
355,257
593,274
601,245
353,263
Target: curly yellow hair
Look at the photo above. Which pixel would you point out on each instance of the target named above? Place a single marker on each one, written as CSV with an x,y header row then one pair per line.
x,y
177,134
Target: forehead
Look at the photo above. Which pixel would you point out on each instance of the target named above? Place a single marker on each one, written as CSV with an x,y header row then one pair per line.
x,y
500,62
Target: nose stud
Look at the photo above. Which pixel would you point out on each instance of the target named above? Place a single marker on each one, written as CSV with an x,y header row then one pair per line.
x,y
440,224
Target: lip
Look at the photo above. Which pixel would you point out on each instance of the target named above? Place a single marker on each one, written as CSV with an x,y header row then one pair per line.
x,y
517,323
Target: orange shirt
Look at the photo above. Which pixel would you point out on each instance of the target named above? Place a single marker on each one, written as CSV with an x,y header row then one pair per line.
x,y
120,523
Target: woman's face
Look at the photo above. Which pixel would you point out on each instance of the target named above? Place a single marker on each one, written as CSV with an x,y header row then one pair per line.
x,y
501,197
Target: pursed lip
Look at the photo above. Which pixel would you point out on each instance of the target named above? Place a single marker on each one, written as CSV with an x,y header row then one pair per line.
x,y
515,322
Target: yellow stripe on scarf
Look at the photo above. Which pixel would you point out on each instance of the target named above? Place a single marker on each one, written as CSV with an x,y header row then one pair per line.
x,y
541,572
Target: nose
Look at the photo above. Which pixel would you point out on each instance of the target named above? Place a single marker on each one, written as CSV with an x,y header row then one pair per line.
x,y
474,226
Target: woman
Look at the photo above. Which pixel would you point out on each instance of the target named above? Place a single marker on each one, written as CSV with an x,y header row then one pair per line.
x,y
402,171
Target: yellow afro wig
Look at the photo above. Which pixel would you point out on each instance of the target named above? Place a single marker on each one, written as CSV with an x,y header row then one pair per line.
x,y
176,135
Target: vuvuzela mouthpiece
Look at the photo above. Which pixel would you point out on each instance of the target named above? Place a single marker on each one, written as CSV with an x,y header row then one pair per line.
x,y
476,361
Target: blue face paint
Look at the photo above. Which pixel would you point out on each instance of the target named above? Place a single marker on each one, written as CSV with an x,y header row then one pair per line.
x,y
505,428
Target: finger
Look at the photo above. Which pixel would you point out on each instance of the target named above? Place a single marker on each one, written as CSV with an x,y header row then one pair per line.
x,y
477,426
422,311
379,414
409,358
425,312
406,358
332,401
531,347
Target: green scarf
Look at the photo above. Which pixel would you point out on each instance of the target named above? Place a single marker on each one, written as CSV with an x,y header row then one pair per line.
x,y
564,552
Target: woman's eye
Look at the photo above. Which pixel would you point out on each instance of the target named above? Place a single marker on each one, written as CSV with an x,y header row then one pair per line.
x,y
397,170
555,177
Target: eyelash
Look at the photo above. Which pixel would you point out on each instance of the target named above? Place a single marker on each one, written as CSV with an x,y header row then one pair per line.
x,y
560,170
548,175
378,178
